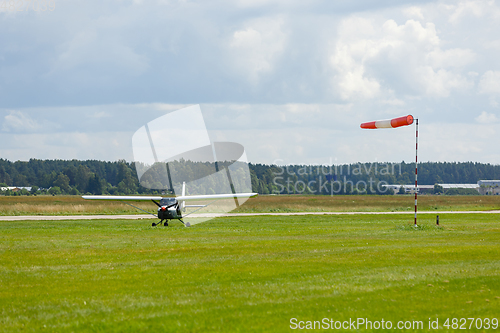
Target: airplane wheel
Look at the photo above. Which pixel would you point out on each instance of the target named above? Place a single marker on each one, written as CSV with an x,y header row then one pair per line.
x,y
153,224
165,224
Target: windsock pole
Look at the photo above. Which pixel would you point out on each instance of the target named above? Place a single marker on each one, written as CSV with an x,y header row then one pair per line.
x,y
416,169
398,122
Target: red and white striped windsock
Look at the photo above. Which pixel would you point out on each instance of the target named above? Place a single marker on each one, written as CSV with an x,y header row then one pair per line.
x,y
390,123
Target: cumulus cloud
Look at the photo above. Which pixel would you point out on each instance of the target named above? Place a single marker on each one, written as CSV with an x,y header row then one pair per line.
x,y
100,46
106,146
490,83
414,12
348,60
267,51
440,83
20,122
486,118
257,46
468,8
408,58
450,58
16,120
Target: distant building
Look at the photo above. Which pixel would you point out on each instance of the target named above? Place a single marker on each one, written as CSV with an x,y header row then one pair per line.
x,y
411,188
429,188
489,187
447,186
484,187
489,183
15,188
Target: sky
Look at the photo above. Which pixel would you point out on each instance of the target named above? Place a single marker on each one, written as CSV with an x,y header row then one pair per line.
x,y
289,80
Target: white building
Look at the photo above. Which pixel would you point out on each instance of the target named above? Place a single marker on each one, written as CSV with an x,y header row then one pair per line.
x,y
492,183
15,188
491,187
429,188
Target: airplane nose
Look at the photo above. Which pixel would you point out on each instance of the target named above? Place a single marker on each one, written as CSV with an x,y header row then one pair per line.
x,y
163,208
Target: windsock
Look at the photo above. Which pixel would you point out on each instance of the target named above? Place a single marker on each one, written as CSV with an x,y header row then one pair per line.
x,y
390,123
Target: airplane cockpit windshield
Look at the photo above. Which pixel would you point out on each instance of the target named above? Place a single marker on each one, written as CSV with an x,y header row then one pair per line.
x,y
167,201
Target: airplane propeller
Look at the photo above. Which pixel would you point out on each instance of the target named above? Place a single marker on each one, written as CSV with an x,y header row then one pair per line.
x,y
164,207
167,207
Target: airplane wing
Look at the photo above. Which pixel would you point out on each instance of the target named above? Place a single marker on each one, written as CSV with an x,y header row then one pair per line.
x,y
179,198
120,197
215,196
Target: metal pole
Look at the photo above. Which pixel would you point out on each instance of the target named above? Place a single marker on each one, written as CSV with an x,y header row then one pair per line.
x,y
416,170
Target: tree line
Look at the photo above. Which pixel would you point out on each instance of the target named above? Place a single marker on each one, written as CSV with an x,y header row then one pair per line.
x,y
119,177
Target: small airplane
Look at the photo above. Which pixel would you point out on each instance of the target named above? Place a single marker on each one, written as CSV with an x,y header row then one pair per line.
x,y
171,208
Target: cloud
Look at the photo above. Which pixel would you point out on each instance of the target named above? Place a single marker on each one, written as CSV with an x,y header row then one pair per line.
x,y
292,133
371,58
441,82
450,58
348,60
98,46
245,52
17,121
99,114
487,118
414,12
257,47
104,146
468,8
490,83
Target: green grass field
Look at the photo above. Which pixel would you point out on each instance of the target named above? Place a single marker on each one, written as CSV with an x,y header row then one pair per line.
x,y
240,274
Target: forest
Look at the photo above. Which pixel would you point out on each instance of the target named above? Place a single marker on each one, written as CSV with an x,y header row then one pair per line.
x,y
76,177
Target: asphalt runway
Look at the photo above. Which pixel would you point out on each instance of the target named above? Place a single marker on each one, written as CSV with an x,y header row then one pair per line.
x,y
213,215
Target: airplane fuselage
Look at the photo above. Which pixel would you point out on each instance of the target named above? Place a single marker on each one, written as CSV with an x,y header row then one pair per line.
x,y
169,209
169,213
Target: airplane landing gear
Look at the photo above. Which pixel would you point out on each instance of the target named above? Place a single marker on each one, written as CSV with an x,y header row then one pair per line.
x,y
165,224
159,223
187,224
